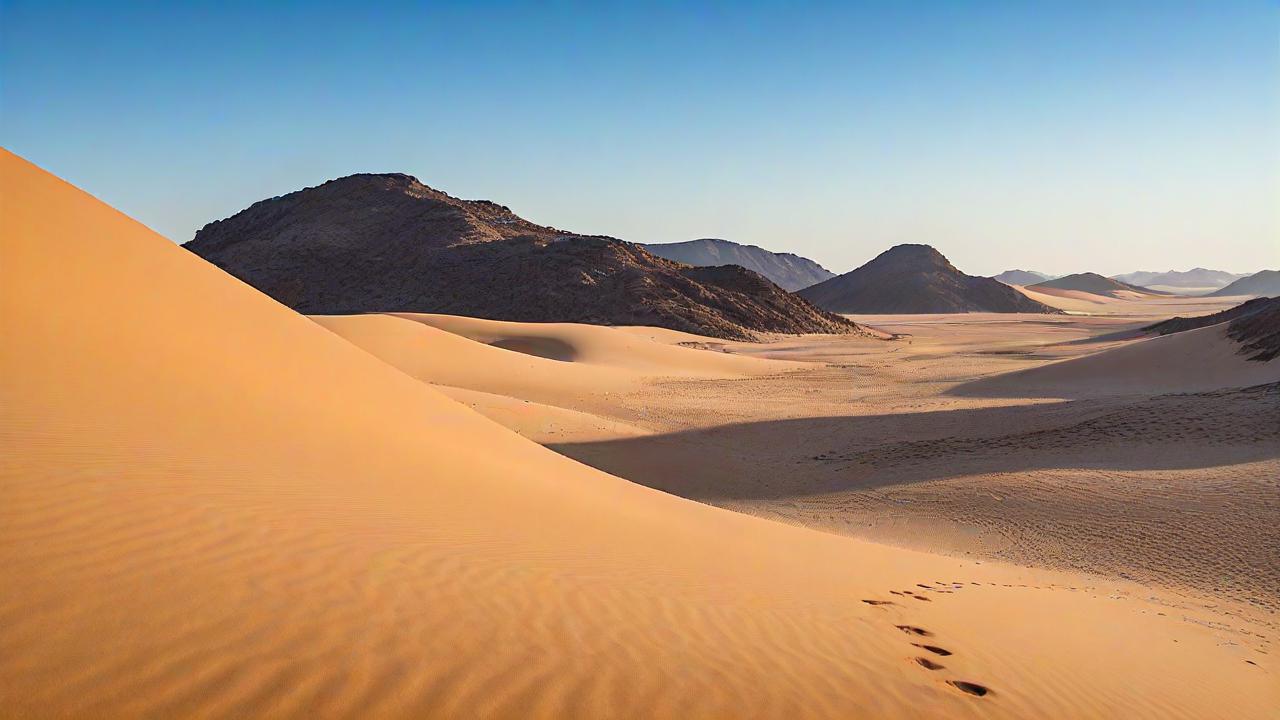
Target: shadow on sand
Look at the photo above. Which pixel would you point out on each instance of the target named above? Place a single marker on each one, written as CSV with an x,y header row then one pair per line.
x,y
809,456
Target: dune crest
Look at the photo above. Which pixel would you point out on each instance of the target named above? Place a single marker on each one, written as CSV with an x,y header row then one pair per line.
x,y
212,506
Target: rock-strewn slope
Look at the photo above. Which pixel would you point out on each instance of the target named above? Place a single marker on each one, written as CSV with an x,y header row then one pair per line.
x,y
1258,332
1182,324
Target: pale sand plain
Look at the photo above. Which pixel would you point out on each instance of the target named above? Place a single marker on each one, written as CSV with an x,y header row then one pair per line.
x,y
214,507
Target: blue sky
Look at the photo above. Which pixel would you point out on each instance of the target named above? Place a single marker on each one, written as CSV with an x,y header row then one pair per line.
x,y
1054,136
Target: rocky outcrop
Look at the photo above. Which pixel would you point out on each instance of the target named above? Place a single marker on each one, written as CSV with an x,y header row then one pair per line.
x,y
917,279
388,243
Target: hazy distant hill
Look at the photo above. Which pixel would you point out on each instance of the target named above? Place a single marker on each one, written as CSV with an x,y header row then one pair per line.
x,y
1095,284
383,243
1196,278
1266,282
787,270
917,279
1021,277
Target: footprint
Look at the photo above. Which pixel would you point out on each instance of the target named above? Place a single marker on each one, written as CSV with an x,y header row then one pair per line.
x,y
928,664
913,630
969,687
921,597
933,649
878,602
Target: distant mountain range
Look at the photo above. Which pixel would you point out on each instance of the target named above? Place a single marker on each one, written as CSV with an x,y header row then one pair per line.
x,y
1196,278
917,279
1021,277
1095,284
1264,282
787,270
384,243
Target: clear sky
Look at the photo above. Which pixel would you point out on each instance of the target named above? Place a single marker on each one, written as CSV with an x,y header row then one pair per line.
x,y
1056,136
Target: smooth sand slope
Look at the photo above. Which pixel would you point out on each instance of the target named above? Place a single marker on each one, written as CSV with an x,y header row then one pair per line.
x,y
1070,300
595,345
213,507
546,381
1125,303
1191,361
541,361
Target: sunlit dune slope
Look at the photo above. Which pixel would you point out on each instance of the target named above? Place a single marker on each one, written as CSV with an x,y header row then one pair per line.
x,y
547,362
1069,300
213,507
1191,361
604,346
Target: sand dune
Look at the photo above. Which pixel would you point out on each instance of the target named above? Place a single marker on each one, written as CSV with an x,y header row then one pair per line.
x,y
559,364
1126,303
1191,361
606,347
213,507
541,422
1071,300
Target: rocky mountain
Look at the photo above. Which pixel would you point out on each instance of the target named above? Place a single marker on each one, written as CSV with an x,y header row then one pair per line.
x,y
787,270
1021,277
917,279
1095,284
383,243
1195,278
1266,282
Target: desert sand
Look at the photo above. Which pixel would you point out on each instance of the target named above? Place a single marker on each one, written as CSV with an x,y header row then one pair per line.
x,y
982,436
215,507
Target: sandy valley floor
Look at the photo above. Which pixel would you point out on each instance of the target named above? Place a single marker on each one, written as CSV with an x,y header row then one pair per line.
x,y
885,440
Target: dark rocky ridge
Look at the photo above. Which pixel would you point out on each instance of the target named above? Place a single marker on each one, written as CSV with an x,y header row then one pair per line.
x,y
388,243
1259,332
917,279
1182,324
787,270
1255,324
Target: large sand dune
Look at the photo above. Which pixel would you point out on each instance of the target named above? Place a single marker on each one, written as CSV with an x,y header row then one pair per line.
x,y
213,507
1191,361
569,370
